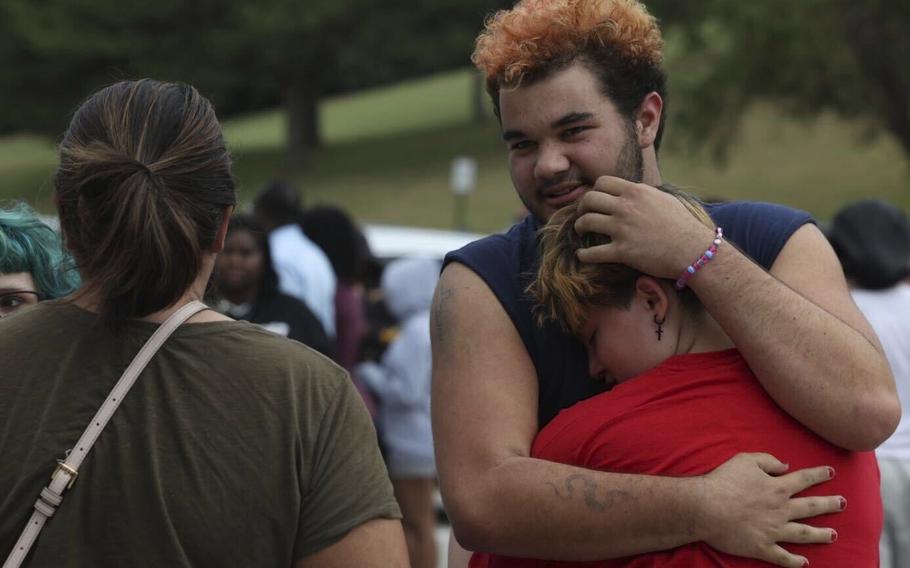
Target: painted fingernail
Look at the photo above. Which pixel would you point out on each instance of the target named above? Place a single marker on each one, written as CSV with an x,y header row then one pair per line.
x,y
842,502
833,535
830,473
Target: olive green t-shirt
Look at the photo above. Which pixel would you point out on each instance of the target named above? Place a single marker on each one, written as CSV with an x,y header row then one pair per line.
x,y
235,447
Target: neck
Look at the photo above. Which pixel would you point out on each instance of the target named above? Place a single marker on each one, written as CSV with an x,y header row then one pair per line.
x,y
700,333
651,170
90,301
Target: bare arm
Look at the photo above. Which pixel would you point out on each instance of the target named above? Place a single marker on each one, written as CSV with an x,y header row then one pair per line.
x,y
501,500
374,544
797,327
828,369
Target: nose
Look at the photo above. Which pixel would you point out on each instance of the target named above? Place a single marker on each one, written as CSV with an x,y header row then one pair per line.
x,y
551,161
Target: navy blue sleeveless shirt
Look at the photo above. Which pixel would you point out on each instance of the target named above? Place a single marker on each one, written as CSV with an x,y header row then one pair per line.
x,y
508,262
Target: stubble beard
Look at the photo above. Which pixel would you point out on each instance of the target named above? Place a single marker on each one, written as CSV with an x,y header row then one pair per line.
x,y
630,166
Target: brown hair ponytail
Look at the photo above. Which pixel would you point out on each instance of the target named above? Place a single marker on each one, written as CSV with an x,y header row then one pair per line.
x,y
142,184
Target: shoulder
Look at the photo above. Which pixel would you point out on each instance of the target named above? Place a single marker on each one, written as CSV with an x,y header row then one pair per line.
x,y
503,261
756,210
275,364
760,229
32,324
496,247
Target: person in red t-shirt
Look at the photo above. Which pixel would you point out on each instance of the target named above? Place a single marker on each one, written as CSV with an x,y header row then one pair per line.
x,y
692,405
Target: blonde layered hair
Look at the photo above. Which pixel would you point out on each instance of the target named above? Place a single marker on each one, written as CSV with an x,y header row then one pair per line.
x,y
568,290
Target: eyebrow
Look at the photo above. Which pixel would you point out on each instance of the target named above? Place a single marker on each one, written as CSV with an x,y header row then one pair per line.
x,y
571,118
512,134
566,120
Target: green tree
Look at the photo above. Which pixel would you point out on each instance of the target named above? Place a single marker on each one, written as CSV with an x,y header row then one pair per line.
x,y
244,55
848,56
308,50
57,51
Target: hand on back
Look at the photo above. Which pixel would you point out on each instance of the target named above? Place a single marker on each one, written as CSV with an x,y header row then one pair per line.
x,y
749,509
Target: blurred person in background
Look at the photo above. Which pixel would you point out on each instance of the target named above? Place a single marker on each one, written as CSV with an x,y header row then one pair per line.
x,y
579,89
304,271
344,244
33,264
340,239
246,288
401,382
872,240
381,325
235,447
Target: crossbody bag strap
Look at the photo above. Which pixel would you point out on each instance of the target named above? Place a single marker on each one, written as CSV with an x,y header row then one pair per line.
x,y
67,469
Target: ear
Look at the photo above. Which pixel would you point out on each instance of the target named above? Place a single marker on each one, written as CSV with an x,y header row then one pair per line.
x,y
221,235
652,295
647,119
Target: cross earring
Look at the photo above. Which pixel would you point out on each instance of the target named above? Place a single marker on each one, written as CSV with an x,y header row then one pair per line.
x,y
660,329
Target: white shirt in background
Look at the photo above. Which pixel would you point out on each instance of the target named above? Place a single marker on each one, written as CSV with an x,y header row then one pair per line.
x,y
304,272
888,311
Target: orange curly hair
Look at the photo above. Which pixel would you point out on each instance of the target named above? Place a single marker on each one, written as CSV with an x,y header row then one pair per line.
x,y
618,40
517,41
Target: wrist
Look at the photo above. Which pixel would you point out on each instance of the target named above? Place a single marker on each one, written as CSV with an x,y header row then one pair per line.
x,y
696,509
707,256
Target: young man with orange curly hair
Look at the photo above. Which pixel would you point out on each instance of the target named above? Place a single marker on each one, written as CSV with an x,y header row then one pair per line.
x,y
580,94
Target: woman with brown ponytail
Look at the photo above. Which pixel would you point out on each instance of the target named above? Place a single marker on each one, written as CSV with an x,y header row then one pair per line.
x,y
235,447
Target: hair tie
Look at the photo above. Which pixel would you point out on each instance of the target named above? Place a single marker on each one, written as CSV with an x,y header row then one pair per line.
x,y
142,168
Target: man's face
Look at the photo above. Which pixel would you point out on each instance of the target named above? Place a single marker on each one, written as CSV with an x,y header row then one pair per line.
x,y
562,134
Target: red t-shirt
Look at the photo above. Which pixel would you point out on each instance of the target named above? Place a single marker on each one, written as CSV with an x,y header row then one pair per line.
x,y
688,416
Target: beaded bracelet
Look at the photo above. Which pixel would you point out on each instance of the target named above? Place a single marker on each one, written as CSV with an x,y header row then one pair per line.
x,y
702,260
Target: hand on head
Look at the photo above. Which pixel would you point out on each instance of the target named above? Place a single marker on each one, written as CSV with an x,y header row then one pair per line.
x,y
650,230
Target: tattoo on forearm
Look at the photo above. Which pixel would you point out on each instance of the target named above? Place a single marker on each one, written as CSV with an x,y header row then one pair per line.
x,y
586,487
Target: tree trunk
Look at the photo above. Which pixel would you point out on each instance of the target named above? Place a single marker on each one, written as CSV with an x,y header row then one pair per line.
x,y
303,134
874,39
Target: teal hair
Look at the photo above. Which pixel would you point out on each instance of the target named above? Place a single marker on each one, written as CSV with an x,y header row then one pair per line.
x,y
28,245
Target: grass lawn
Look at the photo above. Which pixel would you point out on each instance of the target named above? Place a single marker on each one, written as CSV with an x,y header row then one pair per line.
x,y
388,152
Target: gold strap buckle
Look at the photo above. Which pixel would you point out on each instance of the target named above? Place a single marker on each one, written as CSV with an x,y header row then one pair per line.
x,y
67,470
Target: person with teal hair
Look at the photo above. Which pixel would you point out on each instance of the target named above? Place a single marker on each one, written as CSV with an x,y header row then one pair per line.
x,y
33,263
